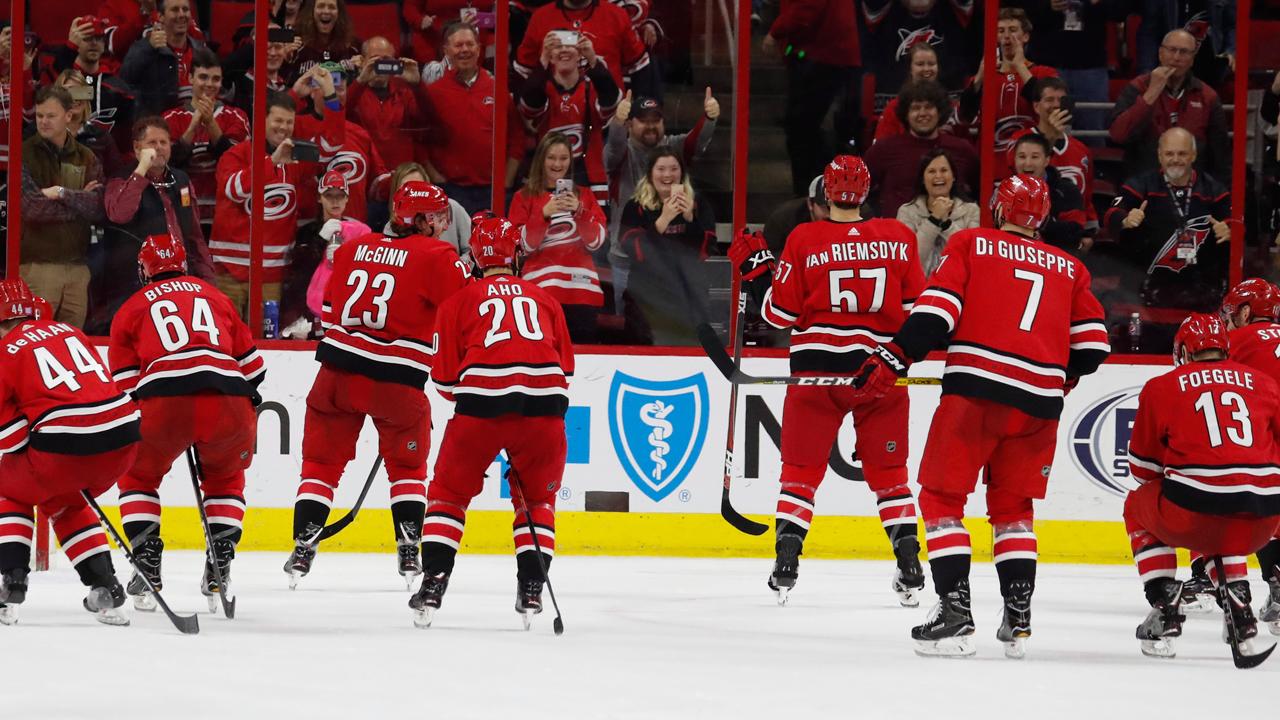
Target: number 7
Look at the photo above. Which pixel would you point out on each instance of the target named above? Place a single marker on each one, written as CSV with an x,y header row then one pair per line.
x,y
1033,297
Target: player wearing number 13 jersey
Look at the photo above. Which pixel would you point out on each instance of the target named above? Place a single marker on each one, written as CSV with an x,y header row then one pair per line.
x,y
1020,326
379,310
179,346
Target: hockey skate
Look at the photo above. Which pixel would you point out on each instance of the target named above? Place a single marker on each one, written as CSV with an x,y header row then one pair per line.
x,y
13,591
299,563
1164,623
1270,613
529,600
908,579
1238,620
147,553
427,600
948,631
786,568
1198,595
105,601
1015,622
224,551
410,563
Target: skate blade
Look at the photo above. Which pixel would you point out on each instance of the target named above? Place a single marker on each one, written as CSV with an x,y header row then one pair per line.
x,y
111,616
422,618
783,594
1162,648
948,647
410,579
908,597
526,617
1203,604
9,615
1015,649
294,577
145,602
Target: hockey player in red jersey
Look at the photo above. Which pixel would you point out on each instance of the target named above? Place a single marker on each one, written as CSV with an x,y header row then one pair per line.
x,y
378,313
1251,311
504,356
1204,448
1020,327
181,349
843,286
66,428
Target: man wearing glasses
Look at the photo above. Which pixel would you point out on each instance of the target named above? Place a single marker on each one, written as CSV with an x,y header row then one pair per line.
x,y
1170,96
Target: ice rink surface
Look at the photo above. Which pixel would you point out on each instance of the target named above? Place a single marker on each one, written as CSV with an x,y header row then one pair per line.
x,y
645,638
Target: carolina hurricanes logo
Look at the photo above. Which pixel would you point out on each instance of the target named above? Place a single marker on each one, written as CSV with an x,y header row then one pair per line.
x,y
1193,236
634,8
562,228
1009,127
352,165
104,118
1072,173
911,38
575,134
1198,26
280,201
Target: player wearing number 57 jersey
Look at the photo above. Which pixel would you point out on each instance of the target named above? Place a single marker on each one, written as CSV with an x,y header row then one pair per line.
x,y
504,356
380,308
179,346
1020,326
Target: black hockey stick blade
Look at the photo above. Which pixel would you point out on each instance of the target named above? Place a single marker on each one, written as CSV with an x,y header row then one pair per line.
x,y
186,624
197,478
739,521
1225,599
716,353
329,531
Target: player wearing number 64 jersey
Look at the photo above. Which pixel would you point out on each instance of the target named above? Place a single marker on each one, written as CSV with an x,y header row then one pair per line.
x,y
379,310
179,346
1020,326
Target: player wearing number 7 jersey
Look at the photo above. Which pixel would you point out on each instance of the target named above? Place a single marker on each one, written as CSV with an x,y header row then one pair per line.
x,y
379,310
179,346
1020,326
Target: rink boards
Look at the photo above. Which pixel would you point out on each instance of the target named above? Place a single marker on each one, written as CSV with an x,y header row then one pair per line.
x,y
646,438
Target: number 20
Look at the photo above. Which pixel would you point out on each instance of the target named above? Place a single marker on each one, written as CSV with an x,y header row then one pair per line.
x,y
523,310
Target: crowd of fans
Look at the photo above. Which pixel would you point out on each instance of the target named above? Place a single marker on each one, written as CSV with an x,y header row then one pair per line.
x,y
139,120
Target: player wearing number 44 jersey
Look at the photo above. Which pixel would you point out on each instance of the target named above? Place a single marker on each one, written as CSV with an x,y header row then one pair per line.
x,y
64,428
179,346
1020,327
843,285
379,310
503,354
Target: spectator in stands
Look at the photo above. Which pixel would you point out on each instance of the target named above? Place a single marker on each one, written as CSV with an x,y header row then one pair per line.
x,y
326,35
922,63
240,65
6,79
1170,223
584,103
158,67
818,40
428,22
895,26
940,209
61,201
111,105
610,31
461,105
667,234
1071,157
562,226
390,107
129,20
90,135
152,198
1064,227
1170,96
309,250
285,13
458,233
894,162
203,129
1016,73
811,208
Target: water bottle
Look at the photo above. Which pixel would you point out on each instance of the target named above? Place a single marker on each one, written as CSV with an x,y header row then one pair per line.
x,y
271,320
1135,332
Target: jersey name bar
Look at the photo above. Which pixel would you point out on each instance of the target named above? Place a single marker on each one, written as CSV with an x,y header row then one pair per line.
x,y
396,257
1024,253
173,286
1216,377
36,335
859,252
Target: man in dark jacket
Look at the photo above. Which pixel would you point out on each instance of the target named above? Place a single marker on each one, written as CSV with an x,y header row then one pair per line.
x,y
158,67
1064,226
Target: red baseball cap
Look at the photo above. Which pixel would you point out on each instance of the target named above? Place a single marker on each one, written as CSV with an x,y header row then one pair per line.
x,y
100,24
333,180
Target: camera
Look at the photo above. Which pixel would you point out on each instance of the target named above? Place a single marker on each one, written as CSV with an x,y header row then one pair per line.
x,y
283,36
305,151
568,37
387,66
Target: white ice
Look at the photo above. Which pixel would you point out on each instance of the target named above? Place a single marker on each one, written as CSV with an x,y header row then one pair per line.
x,y
645,638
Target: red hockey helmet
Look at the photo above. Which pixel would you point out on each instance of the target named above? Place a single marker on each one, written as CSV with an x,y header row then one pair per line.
x,y
1022,200
16,300
1200,331
1256,294
44,311
161,254
418,197
495,242
847,180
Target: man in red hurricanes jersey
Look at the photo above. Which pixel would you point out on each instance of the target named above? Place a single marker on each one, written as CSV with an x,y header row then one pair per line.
x,y
843,286
66,428
378,313
1020,326
181,349
504,356
1204,450
1250,311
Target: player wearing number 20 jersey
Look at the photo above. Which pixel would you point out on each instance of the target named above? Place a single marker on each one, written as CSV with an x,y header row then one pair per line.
x,y
379,312
179,346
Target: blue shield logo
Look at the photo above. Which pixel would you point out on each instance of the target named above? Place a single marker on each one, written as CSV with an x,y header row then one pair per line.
x,y
657,429
1100,441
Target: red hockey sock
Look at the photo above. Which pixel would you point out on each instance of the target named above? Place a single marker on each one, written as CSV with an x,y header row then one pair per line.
x,y
795,509
17,531
1154,558
140,514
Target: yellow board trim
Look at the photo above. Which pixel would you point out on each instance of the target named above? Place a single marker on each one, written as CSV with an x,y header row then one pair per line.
x,y
652,534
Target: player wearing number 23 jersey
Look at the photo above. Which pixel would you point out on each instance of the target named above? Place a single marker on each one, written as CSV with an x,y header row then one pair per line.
x,y
179,346
379,312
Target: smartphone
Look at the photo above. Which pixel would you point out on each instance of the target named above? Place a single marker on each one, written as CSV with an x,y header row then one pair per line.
x,y
31,40
81,93
1068,104
387,66
305,151
486,21
564,186
568,37
284,36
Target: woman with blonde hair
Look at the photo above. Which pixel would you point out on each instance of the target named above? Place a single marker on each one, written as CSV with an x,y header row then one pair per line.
x,y
95,137
562,225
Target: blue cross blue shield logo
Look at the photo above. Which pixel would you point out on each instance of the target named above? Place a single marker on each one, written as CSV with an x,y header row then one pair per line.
x,y
658,427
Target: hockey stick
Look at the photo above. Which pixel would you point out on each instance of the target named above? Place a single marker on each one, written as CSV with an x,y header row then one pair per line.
x,y
727,367
329,531
727,511
186,624
557,625
1227,600
197,477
